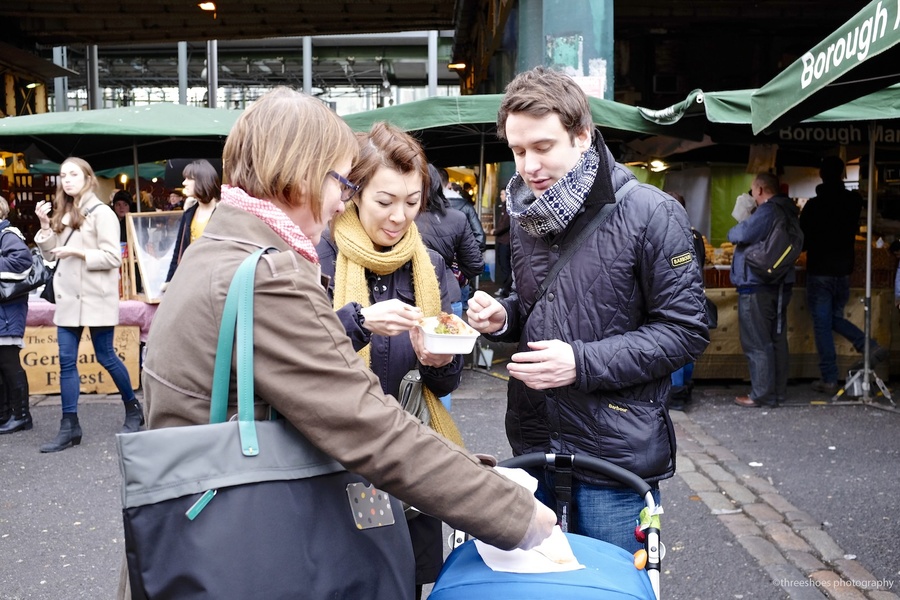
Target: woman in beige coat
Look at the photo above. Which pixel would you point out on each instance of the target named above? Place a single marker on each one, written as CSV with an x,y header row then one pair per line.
x,y
287,159
83,236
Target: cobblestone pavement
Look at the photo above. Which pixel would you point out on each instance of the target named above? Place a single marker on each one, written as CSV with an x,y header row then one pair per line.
x,y
797,502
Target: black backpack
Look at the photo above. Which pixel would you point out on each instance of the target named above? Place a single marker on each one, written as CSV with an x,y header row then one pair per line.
x,y
772,258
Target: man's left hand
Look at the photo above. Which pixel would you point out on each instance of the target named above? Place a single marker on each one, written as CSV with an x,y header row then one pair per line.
x,y
550,364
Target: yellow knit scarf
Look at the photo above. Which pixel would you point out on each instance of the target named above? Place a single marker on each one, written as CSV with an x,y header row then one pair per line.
x,y
356,254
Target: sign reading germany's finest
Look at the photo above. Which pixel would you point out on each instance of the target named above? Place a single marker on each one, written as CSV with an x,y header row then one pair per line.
x,y
40,357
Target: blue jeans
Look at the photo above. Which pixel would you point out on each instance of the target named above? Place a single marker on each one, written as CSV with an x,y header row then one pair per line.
x,y
762,317
604,513
70,381
684,376
826,298
465,292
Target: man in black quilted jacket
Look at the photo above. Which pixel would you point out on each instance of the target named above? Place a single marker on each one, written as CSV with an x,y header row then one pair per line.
x,y
595,348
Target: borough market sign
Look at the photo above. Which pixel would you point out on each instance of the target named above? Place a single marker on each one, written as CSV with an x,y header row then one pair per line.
x,y
849,63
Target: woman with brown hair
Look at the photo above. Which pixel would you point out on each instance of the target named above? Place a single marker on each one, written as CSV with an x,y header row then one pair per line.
x,y
83,236
384,280
288,163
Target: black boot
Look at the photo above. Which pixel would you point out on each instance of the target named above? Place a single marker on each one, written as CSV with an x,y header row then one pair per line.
x,y
21,417
134,417
679,397
6,412
69,434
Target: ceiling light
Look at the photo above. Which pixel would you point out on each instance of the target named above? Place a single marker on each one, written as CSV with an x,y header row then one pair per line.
x,y
657,165
123,179
33,85
210,6
456,66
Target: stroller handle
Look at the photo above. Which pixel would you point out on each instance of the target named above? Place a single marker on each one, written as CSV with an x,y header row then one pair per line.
x,y
589,463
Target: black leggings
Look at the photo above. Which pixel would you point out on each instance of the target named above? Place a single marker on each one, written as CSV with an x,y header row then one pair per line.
x,y
13,381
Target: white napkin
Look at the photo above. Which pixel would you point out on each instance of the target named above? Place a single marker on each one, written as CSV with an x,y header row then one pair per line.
x,y
554,554
520,476
535,560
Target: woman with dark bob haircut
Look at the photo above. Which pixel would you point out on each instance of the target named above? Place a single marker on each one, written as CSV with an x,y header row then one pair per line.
x,y
201,184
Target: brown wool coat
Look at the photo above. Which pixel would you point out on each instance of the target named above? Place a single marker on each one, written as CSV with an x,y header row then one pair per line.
x,y
307,370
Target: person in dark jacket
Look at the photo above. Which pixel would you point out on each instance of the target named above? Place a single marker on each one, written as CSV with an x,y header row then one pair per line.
x,y
830,222
762,306
456,200
384,280
461,204
683,378
201,182
15,257
595,351
502,265
445,230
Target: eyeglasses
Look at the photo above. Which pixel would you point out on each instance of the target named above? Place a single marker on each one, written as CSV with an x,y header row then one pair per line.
x,y
348,189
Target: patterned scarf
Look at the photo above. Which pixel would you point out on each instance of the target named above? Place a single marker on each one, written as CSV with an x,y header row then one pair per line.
x,y
274,217
555,209
356,254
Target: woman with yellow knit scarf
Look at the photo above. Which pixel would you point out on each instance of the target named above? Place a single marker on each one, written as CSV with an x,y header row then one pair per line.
x,y
384,280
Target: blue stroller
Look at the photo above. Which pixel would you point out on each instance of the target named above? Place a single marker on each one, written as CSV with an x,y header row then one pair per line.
x,y
610,573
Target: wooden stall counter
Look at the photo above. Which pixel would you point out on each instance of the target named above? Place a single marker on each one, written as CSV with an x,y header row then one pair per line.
x,y
725,359
40,356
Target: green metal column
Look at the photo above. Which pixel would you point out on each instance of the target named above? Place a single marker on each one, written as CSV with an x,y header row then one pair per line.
x,y
573,36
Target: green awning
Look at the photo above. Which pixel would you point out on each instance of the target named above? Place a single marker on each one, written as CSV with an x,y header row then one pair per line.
x,y
851,62
455,130
110,137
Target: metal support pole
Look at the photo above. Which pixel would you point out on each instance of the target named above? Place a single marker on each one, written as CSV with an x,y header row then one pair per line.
x,y
93,76
60,84
867,306
212,72
868,374
182,72
432,63
307,64
137,177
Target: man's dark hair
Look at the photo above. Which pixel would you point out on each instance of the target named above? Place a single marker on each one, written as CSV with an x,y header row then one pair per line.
x,y
542,91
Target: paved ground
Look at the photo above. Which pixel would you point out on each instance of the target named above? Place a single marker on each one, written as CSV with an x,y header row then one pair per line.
x,y
796,502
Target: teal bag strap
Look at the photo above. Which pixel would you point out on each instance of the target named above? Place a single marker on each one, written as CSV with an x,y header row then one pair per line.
x,y
237,316
246,423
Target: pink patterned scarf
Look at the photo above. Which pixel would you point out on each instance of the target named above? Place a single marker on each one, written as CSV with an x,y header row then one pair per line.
x,y
272,216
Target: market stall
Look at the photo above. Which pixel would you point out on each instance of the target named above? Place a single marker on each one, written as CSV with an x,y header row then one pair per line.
x,y
725,359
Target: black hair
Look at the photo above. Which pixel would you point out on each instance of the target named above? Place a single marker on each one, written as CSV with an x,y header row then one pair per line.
x,y
436,201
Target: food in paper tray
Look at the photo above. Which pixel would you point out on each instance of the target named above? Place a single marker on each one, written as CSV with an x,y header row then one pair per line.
x,y
448,334
448,324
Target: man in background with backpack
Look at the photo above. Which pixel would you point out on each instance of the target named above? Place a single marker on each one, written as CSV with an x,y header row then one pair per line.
x,y
830,222
762,300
